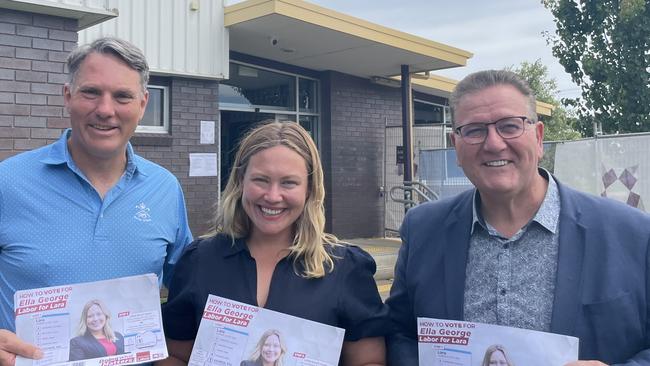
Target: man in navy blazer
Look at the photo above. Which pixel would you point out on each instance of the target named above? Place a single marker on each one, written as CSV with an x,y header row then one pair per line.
x,y
521,249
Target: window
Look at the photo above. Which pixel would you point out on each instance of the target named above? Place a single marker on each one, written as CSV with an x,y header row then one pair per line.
x,y
258,88
283,95
156,116
307,95
310,123
427,113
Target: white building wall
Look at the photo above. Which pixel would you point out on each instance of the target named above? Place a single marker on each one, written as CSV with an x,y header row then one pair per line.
x,y
179,37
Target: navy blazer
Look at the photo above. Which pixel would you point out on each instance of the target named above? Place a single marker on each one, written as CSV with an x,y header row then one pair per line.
x,y
87,346
602,285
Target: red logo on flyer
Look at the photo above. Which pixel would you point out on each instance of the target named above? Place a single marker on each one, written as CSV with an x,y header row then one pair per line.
x,y
142,356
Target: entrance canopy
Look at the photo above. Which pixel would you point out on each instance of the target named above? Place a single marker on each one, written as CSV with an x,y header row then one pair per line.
x,y
306,35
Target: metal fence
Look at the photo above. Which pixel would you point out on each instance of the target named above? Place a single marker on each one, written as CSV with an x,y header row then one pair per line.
x,y
614,166
424,138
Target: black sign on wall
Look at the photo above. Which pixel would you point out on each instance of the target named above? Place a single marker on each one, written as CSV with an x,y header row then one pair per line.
x,y
399,155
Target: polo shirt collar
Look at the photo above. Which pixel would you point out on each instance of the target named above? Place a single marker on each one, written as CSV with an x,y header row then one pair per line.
x,y
547,215
59,154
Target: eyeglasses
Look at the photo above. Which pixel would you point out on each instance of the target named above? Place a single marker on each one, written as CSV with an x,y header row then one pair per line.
x,y
507,128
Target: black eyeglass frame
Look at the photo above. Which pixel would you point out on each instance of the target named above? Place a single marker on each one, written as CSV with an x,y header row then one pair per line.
x,y
524,119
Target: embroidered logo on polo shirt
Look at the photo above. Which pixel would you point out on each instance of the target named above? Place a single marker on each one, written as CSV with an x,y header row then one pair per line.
x,y
142,212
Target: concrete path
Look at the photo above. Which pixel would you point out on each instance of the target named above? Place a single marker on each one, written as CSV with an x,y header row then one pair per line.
x,y
384,251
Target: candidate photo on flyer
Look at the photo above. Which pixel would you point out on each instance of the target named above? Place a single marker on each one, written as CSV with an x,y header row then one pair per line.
x,y
269,351
496,355
95,337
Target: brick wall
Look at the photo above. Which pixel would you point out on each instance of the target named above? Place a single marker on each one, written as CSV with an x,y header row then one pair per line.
x,y
192,100
358,111
33,49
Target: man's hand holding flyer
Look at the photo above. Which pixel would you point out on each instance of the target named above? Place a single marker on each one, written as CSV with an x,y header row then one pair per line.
x,y
458,343
101,323
234,333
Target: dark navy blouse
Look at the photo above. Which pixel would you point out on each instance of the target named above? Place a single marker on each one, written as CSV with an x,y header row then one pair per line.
x,y
346,298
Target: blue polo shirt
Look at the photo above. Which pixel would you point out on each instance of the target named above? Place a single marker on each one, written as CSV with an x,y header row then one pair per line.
x,y
55,229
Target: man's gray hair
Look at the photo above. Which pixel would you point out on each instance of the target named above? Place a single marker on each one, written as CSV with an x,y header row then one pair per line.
x,y
481,80
124,50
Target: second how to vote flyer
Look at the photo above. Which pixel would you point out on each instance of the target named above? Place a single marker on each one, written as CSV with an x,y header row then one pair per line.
x,y
458,343
103,323
232,333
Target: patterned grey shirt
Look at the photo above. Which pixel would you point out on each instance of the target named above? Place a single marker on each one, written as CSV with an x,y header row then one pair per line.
x,y
512,281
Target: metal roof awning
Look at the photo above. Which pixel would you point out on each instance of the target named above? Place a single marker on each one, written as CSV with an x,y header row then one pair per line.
x,y
544,109
87,13
306,35
443,87
432,84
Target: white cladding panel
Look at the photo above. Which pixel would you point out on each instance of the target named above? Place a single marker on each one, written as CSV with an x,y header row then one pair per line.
x,y
176,39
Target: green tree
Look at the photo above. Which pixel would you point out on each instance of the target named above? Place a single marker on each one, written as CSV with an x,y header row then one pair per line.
x,y
605,46
561,125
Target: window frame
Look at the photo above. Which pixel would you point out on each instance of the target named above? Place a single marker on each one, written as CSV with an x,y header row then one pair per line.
x,y
165,107
446,113
295,113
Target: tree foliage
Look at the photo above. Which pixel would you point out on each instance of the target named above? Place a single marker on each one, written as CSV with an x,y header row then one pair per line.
x,y
561,125
605,46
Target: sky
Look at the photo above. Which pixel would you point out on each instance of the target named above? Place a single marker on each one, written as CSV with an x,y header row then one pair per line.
x,y
499,33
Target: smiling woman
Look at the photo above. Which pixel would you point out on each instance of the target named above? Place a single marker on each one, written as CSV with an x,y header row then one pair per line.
x,y
268,248
96,337
496,355
269,351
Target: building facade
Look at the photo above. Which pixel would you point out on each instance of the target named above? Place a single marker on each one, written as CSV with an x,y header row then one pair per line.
x,y
220,69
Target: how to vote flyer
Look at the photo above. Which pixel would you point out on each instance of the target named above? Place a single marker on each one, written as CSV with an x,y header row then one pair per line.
x,y
103,323
458,343
232,333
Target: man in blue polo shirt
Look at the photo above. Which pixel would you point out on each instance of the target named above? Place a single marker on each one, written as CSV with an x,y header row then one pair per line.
x,y
87,208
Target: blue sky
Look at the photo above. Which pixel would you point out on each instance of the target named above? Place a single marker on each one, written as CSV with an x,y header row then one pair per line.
x,y
499,33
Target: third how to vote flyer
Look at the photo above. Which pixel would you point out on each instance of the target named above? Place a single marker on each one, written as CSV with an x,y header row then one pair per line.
x,y
232,333
104,323
458,343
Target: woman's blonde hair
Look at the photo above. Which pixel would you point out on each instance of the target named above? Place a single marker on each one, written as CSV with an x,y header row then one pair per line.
x,y
83,328
257,353
494,348
308,247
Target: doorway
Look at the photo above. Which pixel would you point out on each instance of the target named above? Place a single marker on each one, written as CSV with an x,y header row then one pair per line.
x,y
234,125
